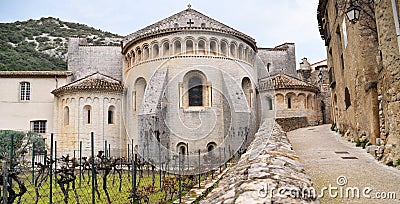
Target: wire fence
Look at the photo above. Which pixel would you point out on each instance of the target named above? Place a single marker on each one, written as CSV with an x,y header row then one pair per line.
x,y
43,176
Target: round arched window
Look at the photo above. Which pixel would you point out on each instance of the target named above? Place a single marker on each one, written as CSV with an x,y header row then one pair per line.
x,y
195,91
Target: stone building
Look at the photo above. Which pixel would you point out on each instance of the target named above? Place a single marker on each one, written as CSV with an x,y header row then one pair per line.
x,y
185,84
363,61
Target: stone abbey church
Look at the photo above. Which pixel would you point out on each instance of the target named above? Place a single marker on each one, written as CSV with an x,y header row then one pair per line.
x,y
183,84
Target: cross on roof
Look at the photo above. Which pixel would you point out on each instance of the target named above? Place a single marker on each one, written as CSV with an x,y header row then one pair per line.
x,y
190,22
189,6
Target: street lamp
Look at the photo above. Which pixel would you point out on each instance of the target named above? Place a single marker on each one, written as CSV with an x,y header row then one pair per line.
x,y
353,12
320,76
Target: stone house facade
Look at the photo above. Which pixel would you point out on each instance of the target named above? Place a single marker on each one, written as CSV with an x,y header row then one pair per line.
x,y
26,102
363,70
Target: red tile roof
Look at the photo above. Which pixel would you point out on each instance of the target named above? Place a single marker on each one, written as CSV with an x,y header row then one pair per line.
x,y
282,81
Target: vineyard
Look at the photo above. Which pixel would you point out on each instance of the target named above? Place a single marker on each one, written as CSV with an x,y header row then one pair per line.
x,y
40,176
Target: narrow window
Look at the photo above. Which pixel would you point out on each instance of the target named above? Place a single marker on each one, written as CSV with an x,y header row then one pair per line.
x,y
166,49
155,51
66,115
268,66
110,115
213,48
233,50
195,92
145,53
25,91
347,98
269,103
289,103
224,48
177,47
247,90
202,47
189,47
87,114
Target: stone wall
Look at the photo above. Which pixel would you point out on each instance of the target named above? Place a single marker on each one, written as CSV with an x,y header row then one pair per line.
x,y
269,164
388,85
352,50
282,59
289,124
87,59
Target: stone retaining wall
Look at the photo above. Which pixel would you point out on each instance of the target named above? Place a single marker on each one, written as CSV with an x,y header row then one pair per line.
x,y
270,165
289,124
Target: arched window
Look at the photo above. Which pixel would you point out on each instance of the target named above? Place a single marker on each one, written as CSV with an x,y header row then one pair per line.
x,y
139,55
166,49
25,91
289,102
241,52
233,50
87,114
247,89
203,25
181,148
189,47
211,146
140,87
195,91
155,51
224,48
110,115
176,25
269,103
310,102
133,58
213,48
177,47
202,47
66,115
268,67
145,53
347,98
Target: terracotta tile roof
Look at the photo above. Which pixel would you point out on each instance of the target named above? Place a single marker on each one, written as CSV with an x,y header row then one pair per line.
x,y
188,19
92,82
34,74
282,81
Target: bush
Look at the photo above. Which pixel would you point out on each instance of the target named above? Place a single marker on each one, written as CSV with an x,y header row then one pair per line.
x,y
333,126
398,162
390,163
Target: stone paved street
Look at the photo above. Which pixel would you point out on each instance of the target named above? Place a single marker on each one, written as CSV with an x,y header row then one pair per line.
x,y
324,154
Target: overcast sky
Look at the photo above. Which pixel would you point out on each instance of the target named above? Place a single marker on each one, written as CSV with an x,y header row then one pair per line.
x,y
270,22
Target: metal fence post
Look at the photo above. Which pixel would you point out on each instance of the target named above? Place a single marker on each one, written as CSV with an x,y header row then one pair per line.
x,y
55,158
11,158
134,160
93,172
51,167
5,183
33,164
199,169
80,164
105,148
180,179
160,162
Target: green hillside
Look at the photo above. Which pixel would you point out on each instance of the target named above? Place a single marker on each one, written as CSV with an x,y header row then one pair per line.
x,y
42,44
